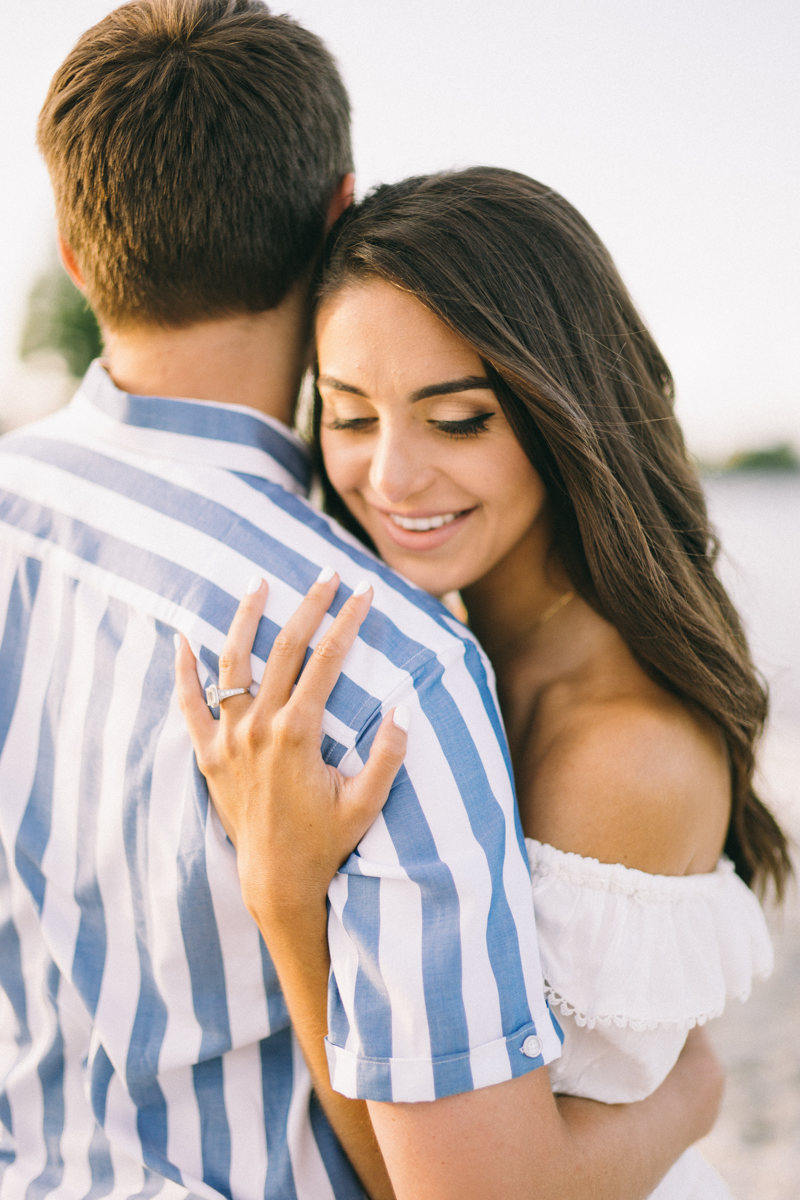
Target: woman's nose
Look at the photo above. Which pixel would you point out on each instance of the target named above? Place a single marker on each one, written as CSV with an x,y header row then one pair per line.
x,y
399,468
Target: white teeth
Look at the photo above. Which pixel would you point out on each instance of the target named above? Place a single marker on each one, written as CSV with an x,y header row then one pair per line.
x,y
422,524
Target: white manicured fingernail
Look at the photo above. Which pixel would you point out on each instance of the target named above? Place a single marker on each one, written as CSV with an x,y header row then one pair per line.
x,y
402,717
177,640
326,575
361,588
254,584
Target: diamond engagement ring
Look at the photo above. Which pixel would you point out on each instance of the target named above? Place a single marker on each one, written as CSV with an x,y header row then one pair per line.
x,y
215,695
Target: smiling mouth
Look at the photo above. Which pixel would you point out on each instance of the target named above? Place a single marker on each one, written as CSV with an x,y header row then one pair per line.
x,y
424,524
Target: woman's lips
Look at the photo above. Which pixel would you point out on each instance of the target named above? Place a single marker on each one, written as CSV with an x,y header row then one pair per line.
x,y
446,526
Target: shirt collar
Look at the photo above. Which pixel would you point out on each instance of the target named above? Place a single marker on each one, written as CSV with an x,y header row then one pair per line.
x,y
203,432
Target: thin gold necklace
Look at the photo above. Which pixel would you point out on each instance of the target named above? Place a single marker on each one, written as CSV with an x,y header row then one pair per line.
x,y
547,615
555,607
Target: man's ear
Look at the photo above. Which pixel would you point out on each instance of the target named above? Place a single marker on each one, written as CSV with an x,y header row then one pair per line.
x,y
341,199
70,263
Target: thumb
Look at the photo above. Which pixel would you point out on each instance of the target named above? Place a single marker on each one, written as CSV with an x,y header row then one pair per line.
x,y
370,788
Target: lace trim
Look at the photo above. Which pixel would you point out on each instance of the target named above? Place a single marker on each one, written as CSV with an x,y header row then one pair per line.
x,y
556,1000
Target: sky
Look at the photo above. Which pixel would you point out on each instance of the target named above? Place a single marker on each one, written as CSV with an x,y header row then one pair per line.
x,y
674,128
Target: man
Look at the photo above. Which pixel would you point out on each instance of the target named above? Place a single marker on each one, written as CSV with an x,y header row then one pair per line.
x,y
198,150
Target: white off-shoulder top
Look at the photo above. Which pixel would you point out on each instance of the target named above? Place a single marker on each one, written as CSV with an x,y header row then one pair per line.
x,y
631,963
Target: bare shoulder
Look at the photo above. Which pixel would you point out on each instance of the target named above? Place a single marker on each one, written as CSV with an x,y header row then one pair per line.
x,y
635,780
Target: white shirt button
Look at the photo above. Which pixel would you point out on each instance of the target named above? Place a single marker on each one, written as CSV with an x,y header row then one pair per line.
x,y
532,1047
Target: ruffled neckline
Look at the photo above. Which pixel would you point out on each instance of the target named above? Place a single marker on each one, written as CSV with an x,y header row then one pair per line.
x,y
545,860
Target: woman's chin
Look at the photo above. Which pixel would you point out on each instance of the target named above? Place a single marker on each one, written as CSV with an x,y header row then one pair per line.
x,y
426,576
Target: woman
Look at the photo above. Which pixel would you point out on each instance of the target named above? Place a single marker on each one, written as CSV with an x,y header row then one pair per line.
x,y
492,417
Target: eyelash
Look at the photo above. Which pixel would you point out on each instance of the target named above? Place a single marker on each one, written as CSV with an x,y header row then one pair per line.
x,y
356,425
470,427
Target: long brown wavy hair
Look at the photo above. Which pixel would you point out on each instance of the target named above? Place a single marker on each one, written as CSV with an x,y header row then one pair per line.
x,y
516,272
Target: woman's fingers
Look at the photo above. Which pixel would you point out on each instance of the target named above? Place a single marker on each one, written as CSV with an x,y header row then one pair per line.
x,y
289,651
234,662
196,713
290,646
325,665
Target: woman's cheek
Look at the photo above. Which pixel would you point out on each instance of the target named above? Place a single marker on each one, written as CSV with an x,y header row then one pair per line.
x,y
347,466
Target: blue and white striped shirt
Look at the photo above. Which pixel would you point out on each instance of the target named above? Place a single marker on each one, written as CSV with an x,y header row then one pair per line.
x,y
145,1046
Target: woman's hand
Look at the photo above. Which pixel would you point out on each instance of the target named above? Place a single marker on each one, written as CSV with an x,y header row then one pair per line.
x,y
293,818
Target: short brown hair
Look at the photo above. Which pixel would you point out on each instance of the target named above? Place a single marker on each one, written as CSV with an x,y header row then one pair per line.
x,y
193,147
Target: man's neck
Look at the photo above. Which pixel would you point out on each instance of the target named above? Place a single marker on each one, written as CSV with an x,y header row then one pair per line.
x,y
255,359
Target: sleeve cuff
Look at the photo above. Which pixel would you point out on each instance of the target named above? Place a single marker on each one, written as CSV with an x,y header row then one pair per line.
x,y
404,1080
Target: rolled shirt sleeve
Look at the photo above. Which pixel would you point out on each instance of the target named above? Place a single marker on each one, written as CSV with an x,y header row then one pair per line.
x,y
435,984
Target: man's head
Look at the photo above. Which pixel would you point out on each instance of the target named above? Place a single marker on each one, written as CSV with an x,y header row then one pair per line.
x,y
194,148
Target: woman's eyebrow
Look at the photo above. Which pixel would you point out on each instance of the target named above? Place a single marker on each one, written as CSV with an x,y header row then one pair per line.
x,y
338,386
470,383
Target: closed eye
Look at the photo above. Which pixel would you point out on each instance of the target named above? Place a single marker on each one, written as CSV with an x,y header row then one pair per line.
x,y
466,428
354,424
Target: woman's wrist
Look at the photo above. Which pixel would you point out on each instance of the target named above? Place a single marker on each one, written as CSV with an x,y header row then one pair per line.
x,y
286,905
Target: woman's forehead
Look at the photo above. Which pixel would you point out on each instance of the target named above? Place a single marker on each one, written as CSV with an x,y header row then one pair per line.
x,y
374,330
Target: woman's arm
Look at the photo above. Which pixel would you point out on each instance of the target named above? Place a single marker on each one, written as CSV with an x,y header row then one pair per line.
x,y
515,1141
283,805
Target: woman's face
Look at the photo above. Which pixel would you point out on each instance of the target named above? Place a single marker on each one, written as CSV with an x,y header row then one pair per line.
x,y
415,441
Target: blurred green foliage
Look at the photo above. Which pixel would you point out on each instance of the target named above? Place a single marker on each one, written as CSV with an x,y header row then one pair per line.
x,y
773,458
59,318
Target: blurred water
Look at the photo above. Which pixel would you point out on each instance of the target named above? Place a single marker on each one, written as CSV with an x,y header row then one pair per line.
x,y
756,1145
758,519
